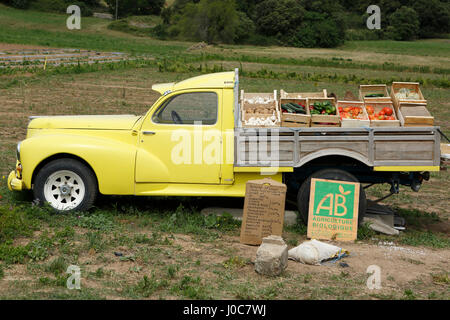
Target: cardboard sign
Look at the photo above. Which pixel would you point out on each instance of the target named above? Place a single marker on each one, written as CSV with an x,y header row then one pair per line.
x,y
263,210
333,210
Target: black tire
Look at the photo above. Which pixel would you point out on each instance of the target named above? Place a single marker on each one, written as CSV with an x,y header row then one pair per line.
x,y
331,174
85,173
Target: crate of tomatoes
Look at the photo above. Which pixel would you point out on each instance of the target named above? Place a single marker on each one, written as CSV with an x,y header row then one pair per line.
x,y
382,114
353,114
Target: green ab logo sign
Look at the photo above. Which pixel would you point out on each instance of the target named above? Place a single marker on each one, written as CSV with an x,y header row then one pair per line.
x,y
333,209
335,199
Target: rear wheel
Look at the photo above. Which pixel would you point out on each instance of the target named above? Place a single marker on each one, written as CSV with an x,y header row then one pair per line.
x,y
66,185
331,174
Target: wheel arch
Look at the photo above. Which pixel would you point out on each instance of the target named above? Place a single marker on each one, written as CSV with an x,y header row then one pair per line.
x,y
334,152
61,156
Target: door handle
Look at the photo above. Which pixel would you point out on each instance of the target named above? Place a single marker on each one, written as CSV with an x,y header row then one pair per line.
x,y
148,133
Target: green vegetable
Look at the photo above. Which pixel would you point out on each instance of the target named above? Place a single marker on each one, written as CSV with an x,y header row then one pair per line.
x,y
374,95
293,108
323,108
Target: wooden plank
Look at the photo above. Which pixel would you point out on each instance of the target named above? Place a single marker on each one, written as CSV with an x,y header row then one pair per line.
x,y
415,114
401,150
359,147
282,156
282,146
285,95
290,124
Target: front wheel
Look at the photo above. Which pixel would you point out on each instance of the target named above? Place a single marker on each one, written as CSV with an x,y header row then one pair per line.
x,y
66,185
330,174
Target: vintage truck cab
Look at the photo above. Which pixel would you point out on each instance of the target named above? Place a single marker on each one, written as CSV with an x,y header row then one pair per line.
x,y
191,142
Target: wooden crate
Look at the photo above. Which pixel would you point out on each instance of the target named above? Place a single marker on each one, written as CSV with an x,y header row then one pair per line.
x,y
292,119
377,106
413,86
324,120
259,101
285,95
374,89
362,121
414,115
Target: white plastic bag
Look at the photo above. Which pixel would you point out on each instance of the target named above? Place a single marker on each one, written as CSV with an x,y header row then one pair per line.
x,y
313,252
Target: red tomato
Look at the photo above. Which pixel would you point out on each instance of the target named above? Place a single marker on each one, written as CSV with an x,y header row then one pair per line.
x,y
387,111
370,110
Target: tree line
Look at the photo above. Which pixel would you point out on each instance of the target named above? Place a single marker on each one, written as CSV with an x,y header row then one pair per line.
x,y
299,23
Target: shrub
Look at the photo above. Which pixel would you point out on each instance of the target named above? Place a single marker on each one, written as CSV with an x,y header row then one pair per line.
x,y
404,24
86,11
19,4
50,5
89,3
136,7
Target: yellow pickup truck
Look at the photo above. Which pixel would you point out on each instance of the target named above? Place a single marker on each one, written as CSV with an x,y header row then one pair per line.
x,y
191,142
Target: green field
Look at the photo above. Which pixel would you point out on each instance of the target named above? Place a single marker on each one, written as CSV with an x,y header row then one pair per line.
x,y
169,250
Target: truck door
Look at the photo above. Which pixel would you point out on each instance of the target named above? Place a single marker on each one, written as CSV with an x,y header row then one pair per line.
x,y
180,140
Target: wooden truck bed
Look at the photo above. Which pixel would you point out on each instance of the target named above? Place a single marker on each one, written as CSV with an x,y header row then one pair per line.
x,y
375,147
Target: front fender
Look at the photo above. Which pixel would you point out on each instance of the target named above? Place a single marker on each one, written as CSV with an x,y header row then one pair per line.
x,y
111,159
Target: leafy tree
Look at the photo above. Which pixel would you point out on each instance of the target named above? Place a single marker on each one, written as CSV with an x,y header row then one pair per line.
x,y
317,30
89,3
179,5
212,21
278,17
248,7
245,29
434,17
404,24
19,4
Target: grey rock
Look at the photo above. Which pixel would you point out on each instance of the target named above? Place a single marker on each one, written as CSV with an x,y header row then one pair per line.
x,y
272,256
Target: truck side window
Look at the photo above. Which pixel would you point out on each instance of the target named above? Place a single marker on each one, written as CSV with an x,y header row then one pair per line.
x,y
188,108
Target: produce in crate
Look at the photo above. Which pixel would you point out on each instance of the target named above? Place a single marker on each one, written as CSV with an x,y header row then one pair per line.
x,y
374,95
384,114
325,108
292,107
407,94
350,112
254,121
260,109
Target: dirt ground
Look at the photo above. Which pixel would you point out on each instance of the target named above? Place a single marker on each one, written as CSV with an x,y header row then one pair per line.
x,y
13,46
